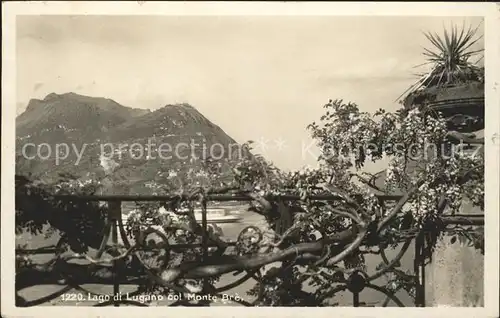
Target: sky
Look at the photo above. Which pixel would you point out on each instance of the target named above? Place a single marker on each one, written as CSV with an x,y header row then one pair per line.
x,y
261,78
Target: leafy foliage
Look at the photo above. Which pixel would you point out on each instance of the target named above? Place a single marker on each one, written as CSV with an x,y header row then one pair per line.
x,y
80,223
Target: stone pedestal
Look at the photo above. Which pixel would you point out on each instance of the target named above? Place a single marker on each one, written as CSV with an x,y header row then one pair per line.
x,y
455,278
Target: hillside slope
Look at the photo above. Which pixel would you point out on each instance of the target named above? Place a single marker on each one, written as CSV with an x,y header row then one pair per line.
x,y
141,144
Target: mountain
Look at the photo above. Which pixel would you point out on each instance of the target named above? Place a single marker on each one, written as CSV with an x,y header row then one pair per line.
x,y
141,144
71,116
165,121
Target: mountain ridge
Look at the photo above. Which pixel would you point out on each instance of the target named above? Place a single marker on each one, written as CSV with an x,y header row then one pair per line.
x,y
87,123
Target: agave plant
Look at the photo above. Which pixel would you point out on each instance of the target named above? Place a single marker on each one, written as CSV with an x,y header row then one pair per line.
x,y
450,59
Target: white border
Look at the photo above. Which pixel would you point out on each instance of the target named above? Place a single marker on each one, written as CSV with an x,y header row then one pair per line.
x,y
491,13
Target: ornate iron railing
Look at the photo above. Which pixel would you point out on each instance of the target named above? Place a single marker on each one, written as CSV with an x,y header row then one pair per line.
x,y
355,283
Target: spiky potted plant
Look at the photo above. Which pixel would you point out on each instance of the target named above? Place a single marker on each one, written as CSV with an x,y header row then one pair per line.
x,y
454,85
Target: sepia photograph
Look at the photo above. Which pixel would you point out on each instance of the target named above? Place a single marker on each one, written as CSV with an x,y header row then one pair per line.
x,y
250,160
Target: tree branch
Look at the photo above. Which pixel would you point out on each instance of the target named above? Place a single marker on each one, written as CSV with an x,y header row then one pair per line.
x,y
399,206
367,182
214,266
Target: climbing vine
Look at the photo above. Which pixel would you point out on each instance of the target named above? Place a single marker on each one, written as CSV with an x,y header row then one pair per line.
x,y
319,243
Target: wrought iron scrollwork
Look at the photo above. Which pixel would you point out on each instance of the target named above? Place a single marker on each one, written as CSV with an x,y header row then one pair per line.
x,y
127,256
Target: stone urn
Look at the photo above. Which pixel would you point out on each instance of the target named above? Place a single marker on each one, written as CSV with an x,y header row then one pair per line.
x,y
461,104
